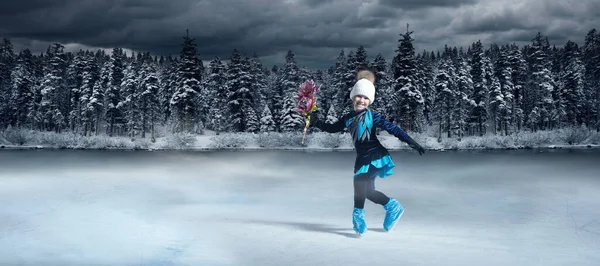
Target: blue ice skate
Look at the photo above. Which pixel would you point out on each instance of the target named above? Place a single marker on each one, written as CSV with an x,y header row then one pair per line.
x,y
358,220
393,211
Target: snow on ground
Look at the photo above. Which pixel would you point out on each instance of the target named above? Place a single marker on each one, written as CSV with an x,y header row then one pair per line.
x,y
209,140
90,207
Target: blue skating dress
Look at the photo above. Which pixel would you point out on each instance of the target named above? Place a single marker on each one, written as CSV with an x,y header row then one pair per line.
x,y
369,151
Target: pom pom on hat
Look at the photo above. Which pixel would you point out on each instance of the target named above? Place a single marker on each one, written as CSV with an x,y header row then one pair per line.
x,y
365,88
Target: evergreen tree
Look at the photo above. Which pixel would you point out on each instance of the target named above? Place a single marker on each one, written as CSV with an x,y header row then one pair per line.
x,y
7,64
149,100
96,106
251,119
74,80
480,89
114,115
331,116
383,85
541,84
445,96
267,124
572,87
501,97
87,88
169,79
216,82
53,89
591,61
339,70
289,118
360,58
497,105
464,102
185,100
408,99
258,82
22,94
425,76
518,72
240,94
348,78
130,103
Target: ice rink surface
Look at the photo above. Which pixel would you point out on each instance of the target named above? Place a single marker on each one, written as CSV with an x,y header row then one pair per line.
x,y
75,207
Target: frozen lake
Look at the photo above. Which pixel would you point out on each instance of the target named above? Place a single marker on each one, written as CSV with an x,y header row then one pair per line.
x,y
69,207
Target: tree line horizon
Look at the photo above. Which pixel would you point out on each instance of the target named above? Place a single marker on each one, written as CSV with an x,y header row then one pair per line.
x,y
501,89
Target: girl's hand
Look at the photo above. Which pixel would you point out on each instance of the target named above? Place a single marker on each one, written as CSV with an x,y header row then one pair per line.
x,y
314,118
413,144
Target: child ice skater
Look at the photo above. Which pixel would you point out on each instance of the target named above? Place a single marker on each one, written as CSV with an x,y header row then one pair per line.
x,y
372,158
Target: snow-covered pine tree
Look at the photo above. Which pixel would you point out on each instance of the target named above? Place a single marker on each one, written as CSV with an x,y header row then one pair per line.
x,y
251,119
92,72
86,89
114,115
355,61
591,61
29,82
383,84
22,94
347,81
7,64
130,101
445,99
463,94
53,89
305,73
480,89
240,94
558,113
518,67
572,86
267,124
259,83
425,75
184,102
360,58
503,73
332,116
497,105
149,100
338,84
216,84
323,79
169,77
289,119
97,105
541,83
74,82
410,99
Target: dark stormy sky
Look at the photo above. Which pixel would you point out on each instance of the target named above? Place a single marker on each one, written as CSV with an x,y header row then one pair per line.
x,y
315,30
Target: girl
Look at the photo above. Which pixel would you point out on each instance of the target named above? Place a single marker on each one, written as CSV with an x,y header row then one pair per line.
x,y
372,158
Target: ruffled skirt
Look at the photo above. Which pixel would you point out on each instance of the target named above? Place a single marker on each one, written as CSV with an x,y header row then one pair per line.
x,y
382,161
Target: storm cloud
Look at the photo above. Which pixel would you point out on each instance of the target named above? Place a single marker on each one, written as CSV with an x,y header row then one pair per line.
x,y
316,31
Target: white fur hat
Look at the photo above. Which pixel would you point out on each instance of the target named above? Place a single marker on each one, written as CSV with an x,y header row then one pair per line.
x,y
363,87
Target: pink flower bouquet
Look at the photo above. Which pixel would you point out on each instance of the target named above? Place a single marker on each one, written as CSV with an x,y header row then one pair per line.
x,y
307,101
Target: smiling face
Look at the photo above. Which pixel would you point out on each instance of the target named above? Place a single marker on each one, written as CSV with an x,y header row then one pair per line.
x,y
360,103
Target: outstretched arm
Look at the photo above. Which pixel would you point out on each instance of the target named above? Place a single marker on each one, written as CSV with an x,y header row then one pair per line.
x,y
330,128
397,131
390,127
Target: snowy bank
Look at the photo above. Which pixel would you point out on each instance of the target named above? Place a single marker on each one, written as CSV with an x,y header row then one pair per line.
x,y
319,141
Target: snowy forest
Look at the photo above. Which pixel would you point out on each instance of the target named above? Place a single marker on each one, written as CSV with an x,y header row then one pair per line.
x,y
460,91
